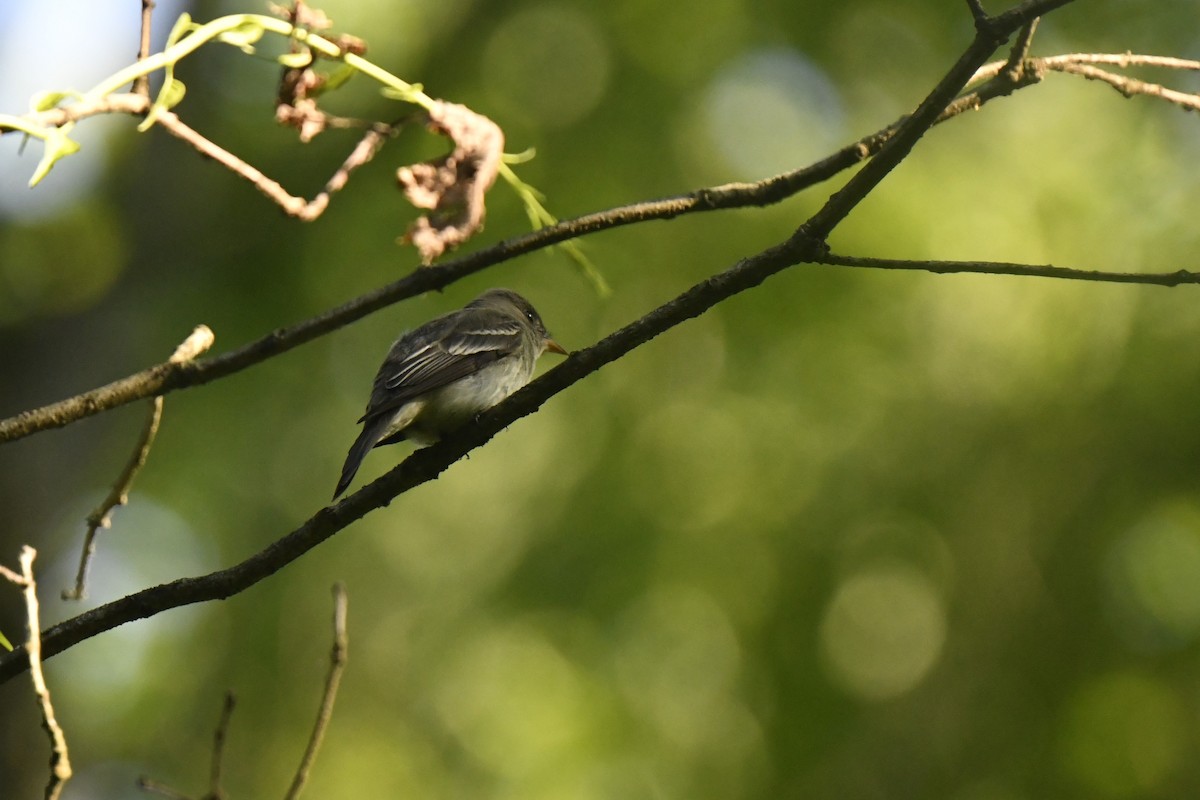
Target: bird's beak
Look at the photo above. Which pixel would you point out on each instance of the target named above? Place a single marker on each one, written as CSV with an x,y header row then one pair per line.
x,y
555,347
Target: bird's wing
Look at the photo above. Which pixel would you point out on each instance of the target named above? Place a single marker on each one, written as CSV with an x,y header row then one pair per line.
x,y
432,357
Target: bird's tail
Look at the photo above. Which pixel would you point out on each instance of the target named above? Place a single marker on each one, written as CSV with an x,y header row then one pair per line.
x,y
367,439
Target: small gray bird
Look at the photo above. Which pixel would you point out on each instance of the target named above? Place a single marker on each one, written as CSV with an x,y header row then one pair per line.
x,y
445,372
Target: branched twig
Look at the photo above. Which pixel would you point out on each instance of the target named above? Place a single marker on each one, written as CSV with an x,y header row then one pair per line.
x,y
305,210
337,665
138,105
60,761
198,342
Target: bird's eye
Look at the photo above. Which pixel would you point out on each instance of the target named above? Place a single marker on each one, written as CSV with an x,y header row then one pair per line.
x,y
529,315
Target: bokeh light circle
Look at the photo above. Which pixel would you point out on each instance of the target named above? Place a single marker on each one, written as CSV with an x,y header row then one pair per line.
x,y
883,631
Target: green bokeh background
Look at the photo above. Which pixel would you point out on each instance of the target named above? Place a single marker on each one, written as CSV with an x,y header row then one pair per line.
x,y
851,534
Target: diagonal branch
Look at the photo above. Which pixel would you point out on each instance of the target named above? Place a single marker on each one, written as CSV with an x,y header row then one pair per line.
x,y
101,517
1129,87
990,33
337,665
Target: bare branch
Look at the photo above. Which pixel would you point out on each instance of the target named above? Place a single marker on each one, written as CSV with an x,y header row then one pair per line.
x,y
142,84
1061,63
1177,278
60,760
1020,50
198,342
305,210
220,735
216,770
1132,86
161,789
337,665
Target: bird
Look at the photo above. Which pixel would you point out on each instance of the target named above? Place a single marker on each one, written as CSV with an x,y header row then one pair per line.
x,y
445,372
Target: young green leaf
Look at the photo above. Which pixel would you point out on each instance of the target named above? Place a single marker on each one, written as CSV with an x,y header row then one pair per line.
x,y
243,36
169,96
44,101
299,60
58,145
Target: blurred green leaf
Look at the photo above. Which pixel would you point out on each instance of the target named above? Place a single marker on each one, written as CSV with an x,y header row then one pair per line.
x,y
44,101
172,93
244,36
298,60
57,145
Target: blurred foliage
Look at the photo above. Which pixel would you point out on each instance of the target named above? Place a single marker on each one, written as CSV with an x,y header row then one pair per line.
x,y
851,534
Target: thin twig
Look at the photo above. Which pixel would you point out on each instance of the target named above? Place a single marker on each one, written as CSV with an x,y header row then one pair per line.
x,y
1059,63
337,665
1124,60
217,768
200,340
60,760
1132,86
1020,50
305,210
141,84
1177,278
154,787
977,11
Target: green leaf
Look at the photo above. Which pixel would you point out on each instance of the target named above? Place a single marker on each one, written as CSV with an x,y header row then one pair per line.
x,y
7,645
243,36
58,145
409,95
181,27
169,96
44,101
